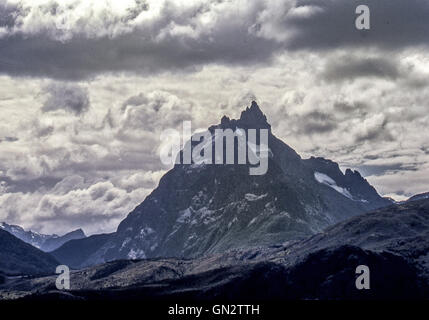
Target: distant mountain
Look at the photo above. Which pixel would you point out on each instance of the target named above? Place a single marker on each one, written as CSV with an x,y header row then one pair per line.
x,y
20,258
55,242
202,209
393,242
419,197
74,253
43,242
402,229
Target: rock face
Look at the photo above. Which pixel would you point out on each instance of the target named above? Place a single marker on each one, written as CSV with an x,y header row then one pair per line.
x,y
20,258
393,242
43,242
202,209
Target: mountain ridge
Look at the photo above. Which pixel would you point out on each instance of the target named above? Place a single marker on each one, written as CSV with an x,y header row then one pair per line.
x,y
393,242
20,258
43,242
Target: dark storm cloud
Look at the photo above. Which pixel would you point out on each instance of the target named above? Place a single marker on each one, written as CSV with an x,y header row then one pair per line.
x,y
395,24
147,49
68,97
176,40
81,58
353,67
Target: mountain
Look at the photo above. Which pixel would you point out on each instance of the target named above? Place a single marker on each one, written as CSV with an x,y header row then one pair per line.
x,y
55,241
419,197
200,209
20,258
393,242
75,252
42,241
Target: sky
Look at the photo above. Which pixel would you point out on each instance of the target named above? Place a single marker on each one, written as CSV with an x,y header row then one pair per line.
x,y
87,87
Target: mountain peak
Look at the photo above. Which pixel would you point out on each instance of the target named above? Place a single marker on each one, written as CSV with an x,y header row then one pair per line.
x,y
201,209
254,117
251,118
77,232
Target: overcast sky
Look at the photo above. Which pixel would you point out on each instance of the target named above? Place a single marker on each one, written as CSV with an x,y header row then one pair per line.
x,y
86,87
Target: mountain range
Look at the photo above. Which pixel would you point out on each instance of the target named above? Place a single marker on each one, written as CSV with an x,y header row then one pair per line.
x,y
43,242
393,242
200,209
214,232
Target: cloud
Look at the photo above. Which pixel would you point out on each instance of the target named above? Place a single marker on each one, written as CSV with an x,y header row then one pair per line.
x,y
8,139
351,68
314,122
80,39
146,179
395,183
395,24
72,203
152,113
67,97
371,128
84,39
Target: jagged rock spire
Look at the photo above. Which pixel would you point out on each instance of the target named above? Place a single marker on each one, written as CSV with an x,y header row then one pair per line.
x,y
254,117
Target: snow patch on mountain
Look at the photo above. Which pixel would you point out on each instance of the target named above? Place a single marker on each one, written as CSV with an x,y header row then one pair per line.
x,y
126,241
251,222
136,254
146,232
232,222
328,181
254,197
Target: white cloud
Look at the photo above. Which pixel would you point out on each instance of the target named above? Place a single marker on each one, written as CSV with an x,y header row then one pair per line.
x,y
97,207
